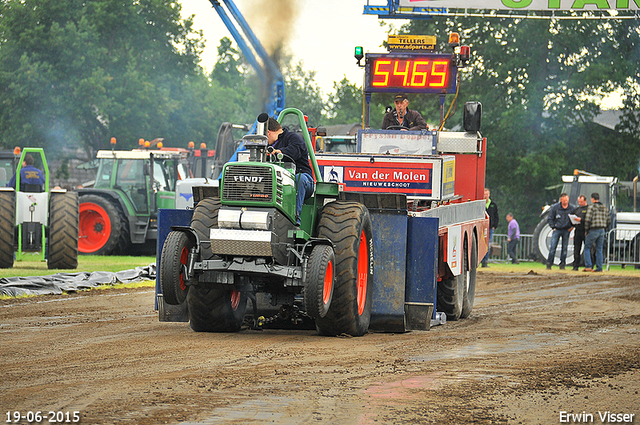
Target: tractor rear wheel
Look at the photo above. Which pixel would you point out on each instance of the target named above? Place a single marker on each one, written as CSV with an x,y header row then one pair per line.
x,y
63,231
212,309
471,269
348,225
320,278
173,263
7,228
103,229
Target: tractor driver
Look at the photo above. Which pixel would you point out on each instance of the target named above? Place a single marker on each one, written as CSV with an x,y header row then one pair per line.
x,y
29,175
292,145
402,116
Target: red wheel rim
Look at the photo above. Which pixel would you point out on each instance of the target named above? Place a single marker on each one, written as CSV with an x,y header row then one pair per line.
x,y
235,299
328,283
363,273
184,256
94,227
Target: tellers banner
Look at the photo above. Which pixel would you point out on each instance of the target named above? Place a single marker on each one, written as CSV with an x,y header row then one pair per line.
x,y
549,5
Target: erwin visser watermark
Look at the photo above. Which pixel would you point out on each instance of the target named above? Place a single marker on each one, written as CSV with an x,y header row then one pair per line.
x,y
605,417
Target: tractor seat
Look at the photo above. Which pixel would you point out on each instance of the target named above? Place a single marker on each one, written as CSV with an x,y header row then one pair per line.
x,y
33,188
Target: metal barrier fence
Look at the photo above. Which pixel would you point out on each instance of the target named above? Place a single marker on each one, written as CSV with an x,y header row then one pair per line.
x,y
623,246
524,250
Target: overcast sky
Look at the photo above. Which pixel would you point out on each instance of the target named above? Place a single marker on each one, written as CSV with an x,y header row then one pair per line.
x,y
322,34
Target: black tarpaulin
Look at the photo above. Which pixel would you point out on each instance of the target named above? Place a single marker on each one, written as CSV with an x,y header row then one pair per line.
x,y
70,282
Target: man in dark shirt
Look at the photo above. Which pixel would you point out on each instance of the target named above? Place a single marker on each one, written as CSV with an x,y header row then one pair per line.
x,y
578,236
402,116
559,221
293,146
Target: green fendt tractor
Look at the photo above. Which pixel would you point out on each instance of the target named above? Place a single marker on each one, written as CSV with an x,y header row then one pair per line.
x,y
243,240
38,219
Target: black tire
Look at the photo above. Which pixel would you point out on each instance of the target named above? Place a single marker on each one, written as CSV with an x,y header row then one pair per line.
x,y
319,282
212,309
471,268
173,261
7,228
348,225
63,231
451,291
103,227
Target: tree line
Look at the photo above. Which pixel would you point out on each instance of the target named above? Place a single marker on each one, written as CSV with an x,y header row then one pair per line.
x,y
76,73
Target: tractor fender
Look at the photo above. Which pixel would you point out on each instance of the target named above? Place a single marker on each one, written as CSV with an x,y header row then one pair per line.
x,y
308,246
114,198
191,233
545,211
110,195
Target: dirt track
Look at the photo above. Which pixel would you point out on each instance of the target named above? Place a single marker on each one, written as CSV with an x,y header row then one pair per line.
x,y
536,345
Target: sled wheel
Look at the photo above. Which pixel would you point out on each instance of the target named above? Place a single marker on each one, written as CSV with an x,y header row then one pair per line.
x,y
63,231
471,269
212,309
318,288
7,228
173,264
451,291
348,226
103,230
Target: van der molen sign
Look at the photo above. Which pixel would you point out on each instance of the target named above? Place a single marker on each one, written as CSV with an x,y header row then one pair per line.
x,y
550,5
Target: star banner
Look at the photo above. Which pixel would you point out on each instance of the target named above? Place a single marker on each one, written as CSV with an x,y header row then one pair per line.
x,y
547,5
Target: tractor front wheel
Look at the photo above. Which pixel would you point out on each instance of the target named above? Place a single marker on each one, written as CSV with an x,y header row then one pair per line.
x,y
102,227
173,263
320,277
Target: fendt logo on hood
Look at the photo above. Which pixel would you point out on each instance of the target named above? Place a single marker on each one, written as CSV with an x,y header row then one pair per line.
x,y
248,179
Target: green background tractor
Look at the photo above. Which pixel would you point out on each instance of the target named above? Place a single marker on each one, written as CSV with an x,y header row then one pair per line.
x,y
120,210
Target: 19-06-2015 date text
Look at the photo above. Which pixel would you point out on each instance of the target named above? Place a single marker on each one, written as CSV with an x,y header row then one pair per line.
x,y
43,416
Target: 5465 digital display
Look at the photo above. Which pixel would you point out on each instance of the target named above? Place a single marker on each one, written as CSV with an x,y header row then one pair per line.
x,y
423,73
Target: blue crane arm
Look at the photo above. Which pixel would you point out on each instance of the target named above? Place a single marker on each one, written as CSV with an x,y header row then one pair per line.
x,y
268,72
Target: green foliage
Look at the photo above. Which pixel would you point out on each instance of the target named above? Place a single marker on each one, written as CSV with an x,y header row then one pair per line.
x,y
63,171
302,92
75,73
345,104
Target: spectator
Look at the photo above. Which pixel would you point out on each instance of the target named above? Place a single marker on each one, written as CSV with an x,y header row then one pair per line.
x,y
560,223
513,237
31,178
596,221
578,236
494,218
403,117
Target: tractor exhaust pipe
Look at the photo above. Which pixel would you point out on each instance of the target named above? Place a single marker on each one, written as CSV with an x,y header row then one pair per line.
x,y
261,127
